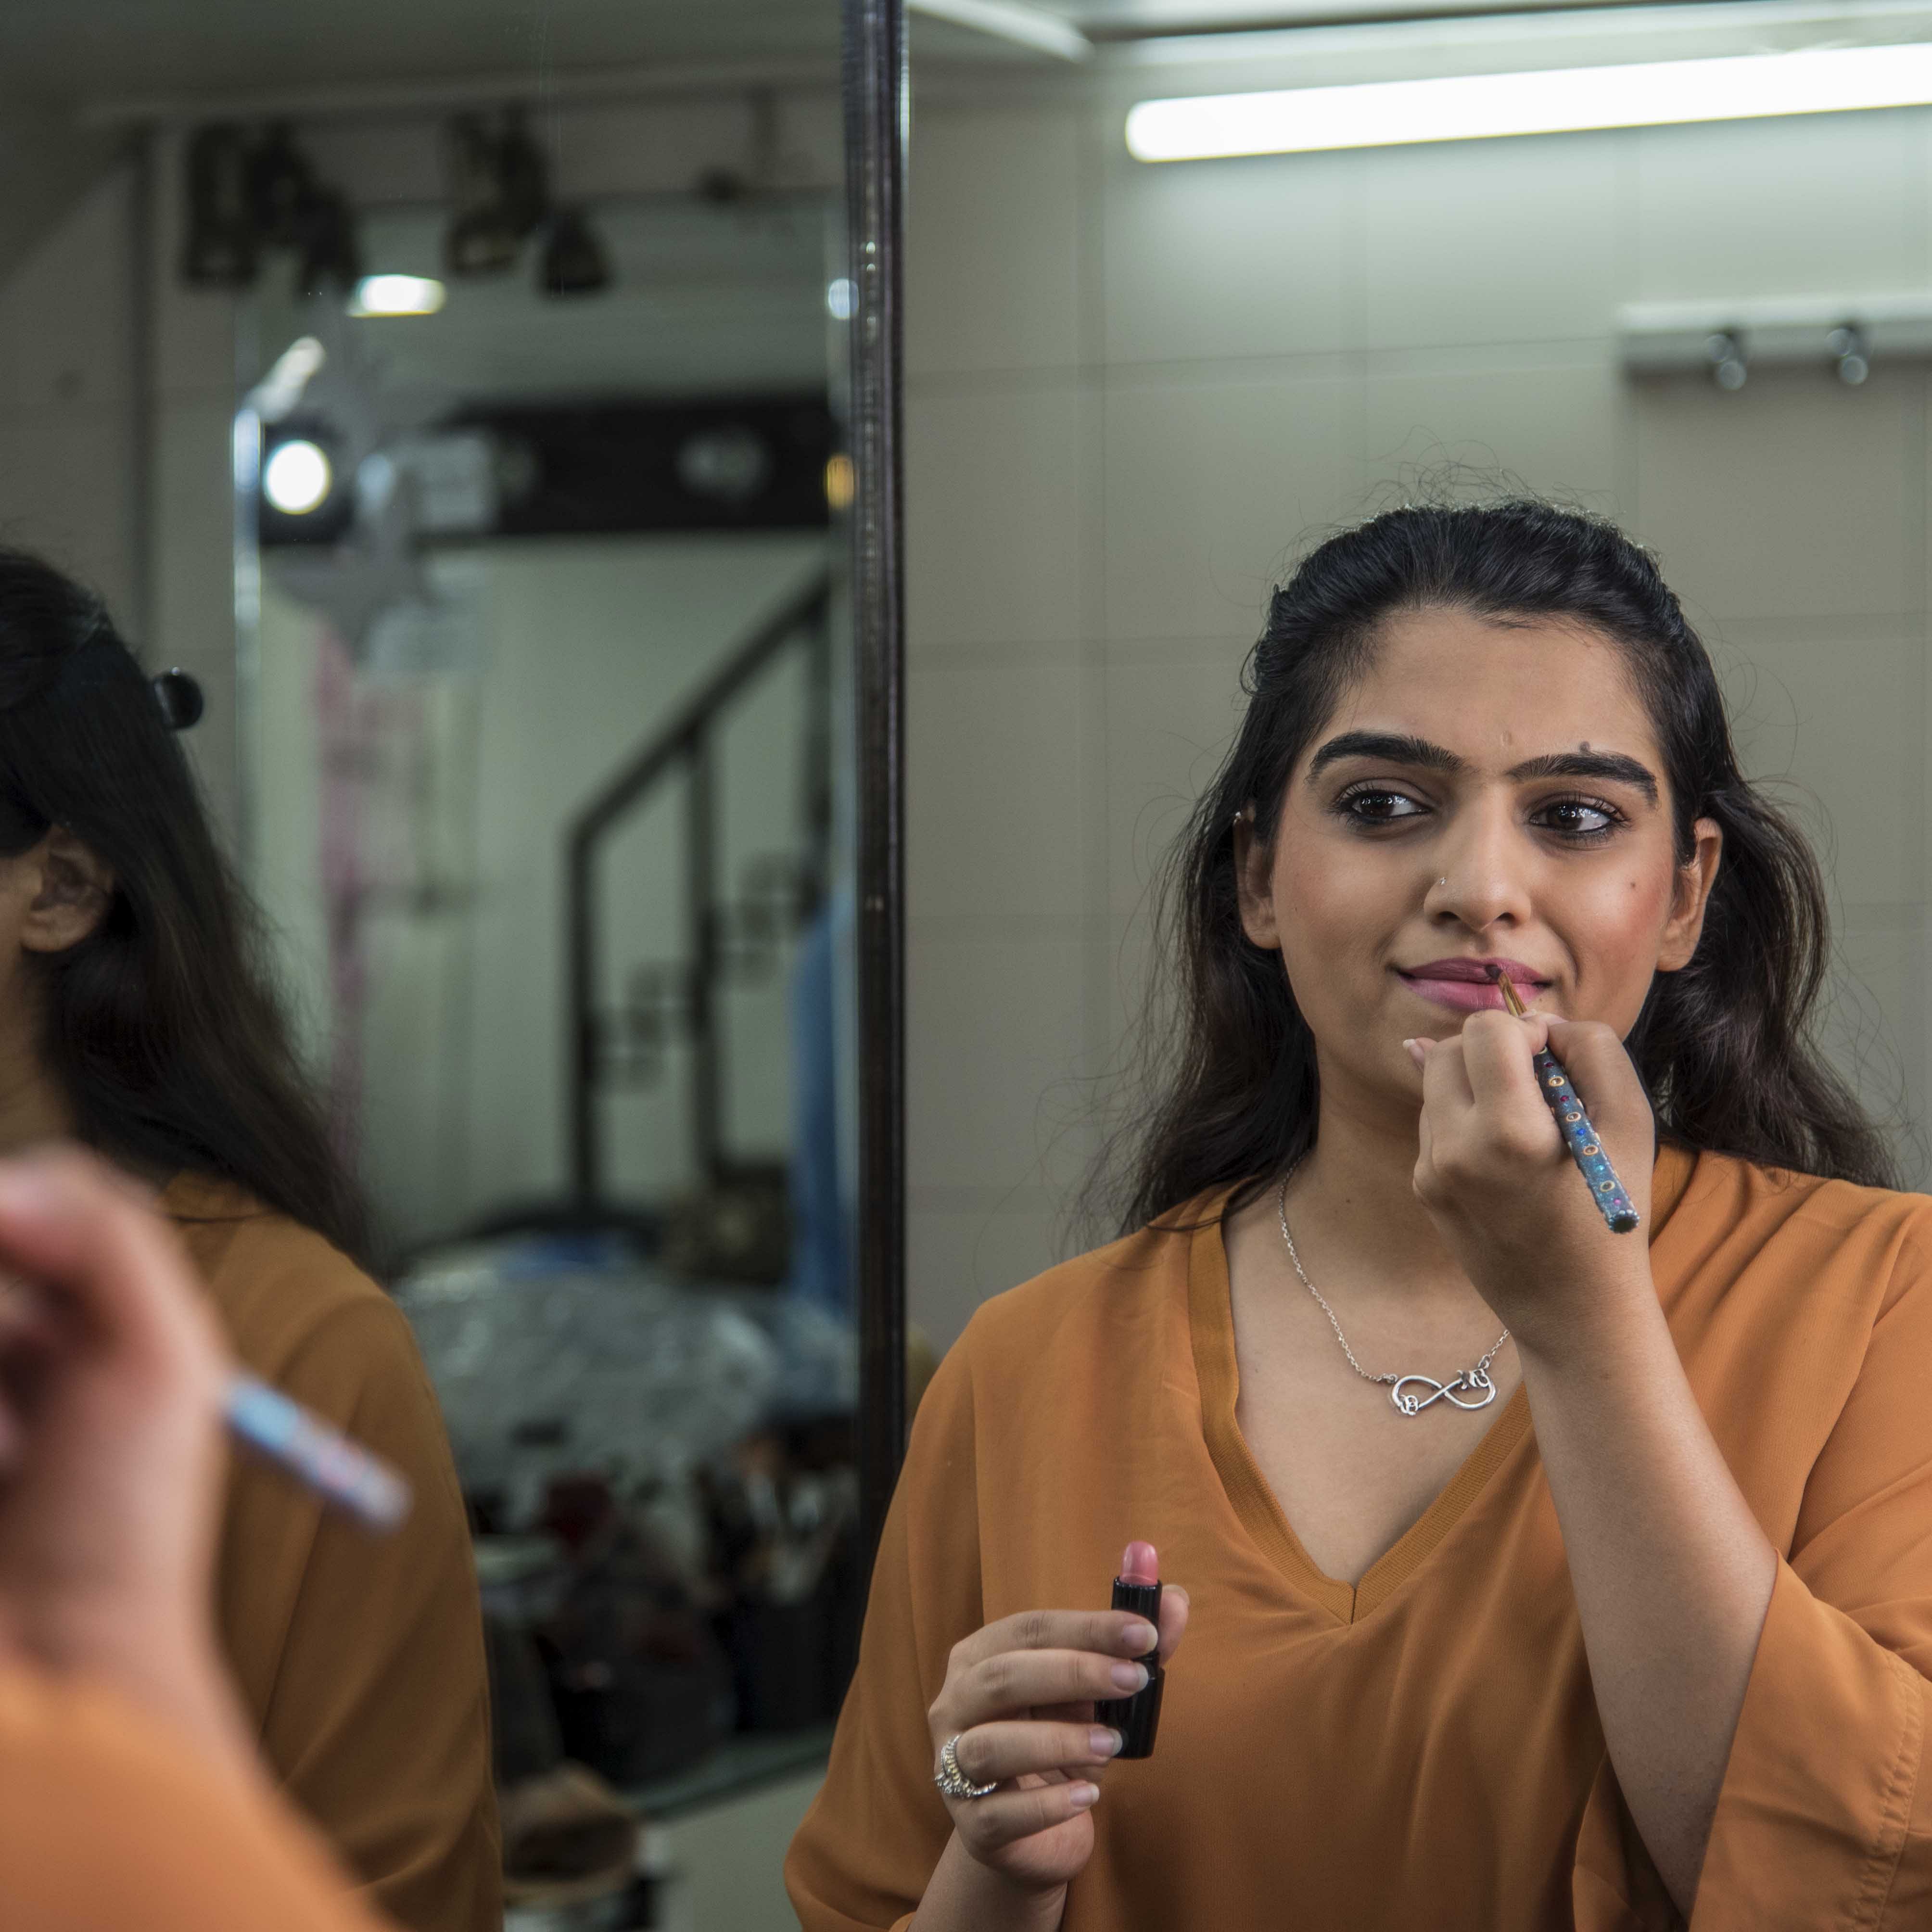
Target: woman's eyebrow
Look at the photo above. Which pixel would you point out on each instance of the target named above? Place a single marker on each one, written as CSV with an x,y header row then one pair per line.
x,y
1613,766
1393,748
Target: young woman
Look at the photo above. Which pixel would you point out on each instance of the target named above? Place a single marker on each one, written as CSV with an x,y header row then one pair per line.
x,y
1632,1624
132,1018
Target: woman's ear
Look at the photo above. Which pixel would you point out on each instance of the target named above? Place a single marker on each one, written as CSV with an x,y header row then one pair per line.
x,y
71,897
1254,884
1695,878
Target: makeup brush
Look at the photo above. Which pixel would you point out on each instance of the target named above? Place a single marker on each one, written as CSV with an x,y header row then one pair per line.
x,y
1574,1124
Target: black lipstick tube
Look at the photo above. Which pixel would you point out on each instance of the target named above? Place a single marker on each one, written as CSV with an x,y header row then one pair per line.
x,y
1137,1718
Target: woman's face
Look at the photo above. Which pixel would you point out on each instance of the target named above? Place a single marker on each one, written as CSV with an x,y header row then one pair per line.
x,y
1488,792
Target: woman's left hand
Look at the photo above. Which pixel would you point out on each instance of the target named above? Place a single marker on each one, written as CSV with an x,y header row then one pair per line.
x,y
1501,1186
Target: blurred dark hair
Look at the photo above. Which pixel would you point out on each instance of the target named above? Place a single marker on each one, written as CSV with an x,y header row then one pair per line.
x,y
161,1027
1724,1046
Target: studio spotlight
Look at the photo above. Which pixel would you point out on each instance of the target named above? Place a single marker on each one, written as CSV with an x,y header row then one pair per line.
x,y
298,477
573,260
499,193
220,247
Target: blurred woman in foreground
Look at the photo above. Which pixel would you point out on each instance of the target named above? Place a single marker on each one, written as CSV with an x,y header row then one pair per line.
x,y
131,1791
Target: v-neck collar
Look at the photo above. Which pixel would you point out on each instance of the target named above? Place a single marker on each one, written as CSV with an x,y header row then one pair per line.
x,y
1211,1324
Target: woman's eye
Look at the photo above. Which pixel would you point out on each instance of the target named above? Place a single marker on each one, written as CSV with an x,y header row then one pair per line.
x,y
1579,818
1378,807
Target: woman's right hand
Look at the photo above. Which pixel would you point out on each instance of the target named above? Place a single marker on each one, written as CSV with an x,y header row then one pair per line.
x,y
1019,1695
111,1452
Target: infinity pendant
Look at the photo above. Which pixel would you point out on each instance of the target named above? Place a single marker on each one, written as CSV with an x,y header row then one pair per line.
x,y
1472,1379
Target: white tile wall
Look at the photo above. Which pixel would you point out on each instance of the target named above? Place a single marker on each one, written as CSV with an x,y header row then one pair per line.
x,y
1007,759
1244,258
1271,347
1210,483
1790,506
1008,558
992,259
1466,243
1820,203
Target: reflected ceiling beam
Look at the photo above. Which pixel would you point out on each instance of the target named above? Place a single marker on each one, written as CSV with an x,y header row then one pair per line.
x,y
389,100
1031,27
1262,17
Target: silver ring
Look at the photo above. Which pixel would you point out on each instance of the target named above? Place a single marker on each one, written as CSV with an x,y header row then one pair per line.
x,y
953,1782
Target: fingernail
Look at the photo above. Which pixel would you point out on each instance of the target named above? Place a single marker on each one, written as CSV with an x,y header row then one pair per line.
x,y
1084,1797
1130,1676
1102,1742
1416,1051
1140,1638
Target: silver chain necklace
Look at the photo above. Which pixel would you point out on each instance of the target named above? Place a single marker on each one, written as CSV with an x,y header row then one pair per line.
x,y
1412,1394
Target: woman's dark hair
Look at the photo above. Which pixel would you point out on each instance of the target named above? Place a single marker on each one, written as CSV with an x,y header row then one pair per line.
x,y
160,1026
1724,1046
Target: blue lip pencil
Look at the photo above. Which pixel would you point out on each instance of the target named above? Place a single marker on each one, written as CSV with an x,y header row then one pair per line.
x,y
339,1471
1574,1124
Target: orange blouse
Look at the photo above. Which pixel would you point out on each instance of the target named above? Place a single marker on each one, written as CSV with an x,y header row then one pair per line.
x,y
109,1823
1423,1748
361,1657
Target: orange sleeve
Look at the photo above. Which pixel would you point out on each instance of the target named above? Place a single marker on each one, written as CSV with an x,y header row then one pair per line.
x,y
863,1857
363,1655
1825,1816
106,1822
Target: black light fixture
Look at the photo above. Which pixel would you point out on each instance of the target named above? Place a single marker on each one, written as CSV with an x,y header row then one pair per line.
x,y
281,184
220,248
499,193
574,262
328,254
246,197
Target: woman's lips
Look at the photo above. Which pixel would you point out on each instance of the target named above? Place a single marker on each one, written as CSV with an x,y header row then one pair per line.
x,y
1464,987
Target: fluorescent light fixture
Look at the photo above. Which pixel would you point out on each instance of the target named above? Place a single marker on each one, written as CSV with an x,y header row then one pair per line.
x,y
297,477
1032,27
1475,107
397,295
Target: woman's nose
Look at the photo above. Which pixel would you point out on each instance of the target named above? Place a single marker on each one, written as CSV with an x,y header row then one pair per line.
x,y
1481,872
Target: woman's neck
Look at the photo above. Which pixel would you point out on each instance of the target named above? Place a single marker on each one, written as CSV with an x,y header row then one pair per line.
x,y
33,1109
1355,1193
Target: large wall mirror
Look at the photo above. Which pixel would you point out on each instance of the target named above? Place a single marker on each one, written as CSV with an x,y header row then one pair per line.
x,y
492,409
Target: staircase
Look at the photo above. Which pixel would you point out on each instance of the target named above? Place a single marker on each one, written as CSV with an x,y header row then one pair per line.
x,y
740,931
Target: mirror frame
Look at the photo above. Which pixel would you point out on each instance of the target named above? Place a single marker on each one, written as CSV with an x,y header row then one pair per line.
x,y
874,92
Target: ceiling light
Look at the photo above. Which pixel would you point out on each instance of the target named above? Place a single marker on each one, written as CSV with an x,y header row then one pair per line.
x,y
397,295
1472,107
298,477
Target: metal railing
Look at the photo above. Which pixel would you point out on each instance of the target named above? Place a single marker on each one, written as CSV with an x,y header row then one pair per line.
x,y
663,1002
